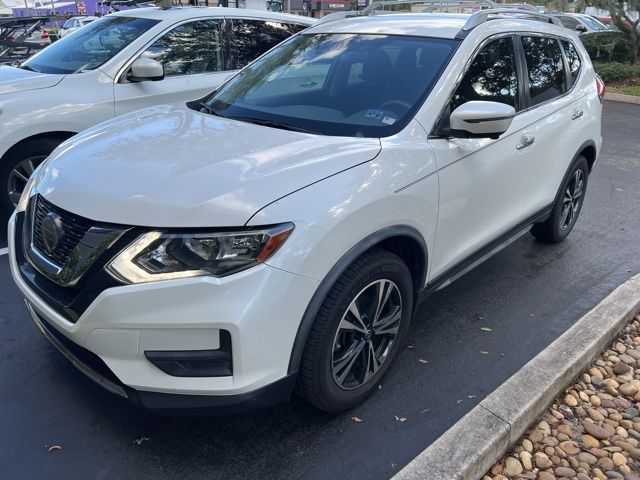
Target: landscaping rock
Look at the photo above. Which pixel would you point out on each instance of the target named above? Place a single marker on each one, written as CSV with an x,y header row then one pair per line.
x,y
592,431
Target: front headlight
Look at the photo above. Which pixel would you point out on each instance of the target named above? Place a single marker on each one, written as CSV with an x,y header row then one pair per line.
x,y
167,255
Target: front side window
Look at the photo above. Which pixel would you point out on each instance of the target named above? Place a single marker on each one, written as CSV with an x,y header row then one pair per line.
x,y
337,84
545,68
189,49
573,60
492,76
254,37
90,47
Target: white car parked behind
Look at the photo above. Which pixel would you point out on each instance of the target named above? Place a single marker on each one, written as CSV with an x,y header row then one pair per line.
x,y
74,24
121,63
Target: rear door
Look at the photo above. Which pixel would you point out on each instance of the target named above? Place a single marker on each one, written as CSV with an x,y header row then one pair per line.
x,y
194,65
556,111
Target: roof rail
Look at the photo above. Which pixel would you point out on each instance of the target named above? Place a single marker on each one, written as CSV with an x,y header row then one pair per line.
x,y
430,4
482,16
339,16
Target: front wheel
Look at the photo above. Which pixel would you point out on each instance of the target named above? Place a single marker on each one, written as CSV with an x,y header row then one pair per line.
x,y
567,206
357,332
17,167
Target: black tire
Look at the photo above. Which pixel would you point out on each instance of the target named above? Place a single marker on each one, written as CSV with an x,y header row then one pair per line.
x,y
361,281
35,151
558,226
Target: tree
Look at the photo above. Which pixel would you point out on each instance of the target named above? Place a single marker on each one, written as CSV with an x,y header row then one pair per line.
x,y
625,15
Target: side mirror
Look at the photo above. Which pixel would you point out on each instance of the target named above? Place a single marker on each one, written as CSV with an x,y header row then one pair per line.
x,y
482,119
145,68
581,28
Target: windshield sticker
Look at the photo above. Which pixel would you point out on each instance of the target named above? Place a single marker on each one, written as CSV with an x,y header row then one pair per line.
x,y
377,114
388,120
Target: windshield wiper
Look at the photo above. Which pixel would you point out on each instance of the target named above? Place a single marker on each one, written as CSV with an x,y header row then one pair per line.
x,y
275,124
209,109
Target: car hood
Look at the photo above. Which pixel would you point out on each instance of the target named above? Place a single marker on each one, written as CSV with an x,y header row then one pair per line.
x,y
14,80
171,166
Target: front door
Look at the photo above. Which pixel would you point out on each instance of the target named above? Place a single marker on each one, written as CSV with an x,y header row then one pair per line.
x,y
192,56
482,186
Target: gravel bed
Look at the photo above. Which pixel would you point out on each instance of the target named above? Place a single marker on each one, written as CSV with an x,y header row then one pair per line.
x,y
592,431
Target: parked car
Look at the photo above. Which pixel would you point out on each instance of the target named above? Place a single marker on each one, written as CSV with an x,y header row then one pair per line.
x,y
39,36
580,22
74,24
282,230
121,63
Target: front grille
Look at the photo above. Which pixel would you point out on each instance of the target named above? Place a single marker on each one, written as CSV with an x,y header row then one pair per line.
x,y
74,229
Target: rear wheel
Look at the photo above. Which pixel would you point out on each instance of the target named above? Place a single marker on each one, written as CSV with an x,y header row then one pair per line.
x,y
567,206
357,332
17,167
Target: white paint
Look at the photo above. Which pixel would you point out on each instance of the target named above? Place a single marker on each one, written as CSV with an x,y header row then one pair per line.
x,y
4,251
169,166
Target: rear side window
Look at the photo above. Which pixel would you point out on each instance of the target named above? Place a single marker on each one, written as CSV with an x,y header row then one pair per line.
x,y
254,37
492,76
573,60
545,68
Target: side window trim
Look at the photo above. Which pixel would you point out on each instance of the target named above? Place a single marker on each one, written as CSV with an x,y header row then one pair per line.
x,y
567,71
227,36
523,75
566,57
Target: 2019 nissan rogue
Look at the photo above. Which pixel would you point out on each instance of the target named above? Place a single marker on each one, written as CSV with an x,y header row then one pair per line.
x,y
281,231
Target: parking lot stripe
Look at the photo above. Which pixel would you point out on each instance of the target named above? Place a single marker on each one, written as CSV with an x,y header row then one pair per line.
x,y
4,251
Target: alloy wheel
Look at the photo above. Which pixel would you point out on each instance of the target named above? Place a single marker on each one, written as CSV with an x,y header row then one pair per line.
x,y
366,334
572,200
19,176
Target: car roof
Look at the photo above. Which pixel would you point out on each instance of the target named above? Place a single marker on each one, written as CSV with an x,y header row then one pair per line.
x,y
438,25
441,25
187,13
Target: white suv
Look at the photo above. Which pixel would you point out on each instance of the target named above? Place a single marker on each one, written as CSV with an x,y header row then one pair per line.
x,y
120,63
283,230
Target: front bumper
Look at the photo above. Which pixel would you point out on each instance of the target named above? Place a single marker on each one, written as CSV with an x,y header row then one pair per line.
x,y
261,308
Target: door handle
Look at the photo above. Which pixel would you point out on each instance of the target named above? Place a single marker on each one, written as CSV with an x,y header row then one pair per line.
x,y
524,141
577,114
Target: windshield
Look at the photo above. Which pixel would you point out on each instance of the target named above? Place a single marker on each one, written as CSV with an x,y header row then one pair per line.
x,y
89,47
336,84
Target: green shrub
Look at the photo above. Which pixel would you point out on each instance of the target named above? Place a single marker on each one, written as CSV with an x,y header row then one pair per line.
x,y
615,71
607,47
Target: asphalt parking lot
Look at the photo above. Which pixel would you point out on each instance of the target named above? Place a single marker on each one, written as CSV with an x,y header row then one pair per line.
x,y
527,295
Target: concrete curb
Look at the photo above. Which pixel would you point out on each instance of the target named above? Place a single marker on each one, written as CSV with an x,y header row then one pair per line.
x,y
621,97
480,438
